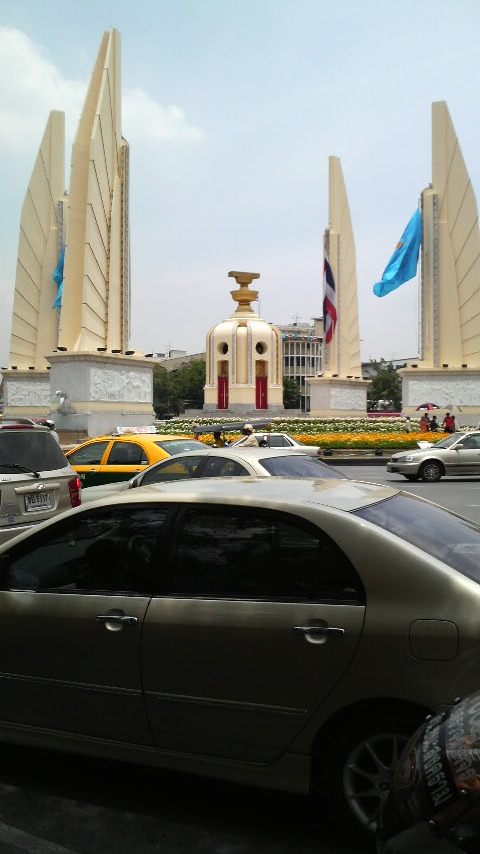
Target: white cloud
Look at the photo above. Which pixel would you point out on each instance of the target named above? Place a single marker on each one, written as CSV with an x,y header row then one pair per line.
x,y
36,86
147,121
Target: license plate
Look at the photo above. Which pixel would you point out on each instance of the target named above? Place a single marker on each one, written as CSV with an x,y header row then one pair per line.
x,y
38,501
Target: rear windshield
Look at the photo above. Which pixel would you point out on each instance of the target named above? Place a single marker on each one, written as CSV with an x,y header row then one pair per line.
x,y
33,449
451,539
179,446
298,466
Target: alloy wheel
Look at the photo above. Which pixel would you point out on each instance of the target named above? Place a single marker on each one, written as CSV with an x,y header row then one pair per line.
x,y
368,774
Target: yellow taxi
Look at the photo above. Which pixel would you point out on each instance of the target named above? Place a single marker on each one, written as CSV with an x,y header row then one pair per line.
x,y
108,458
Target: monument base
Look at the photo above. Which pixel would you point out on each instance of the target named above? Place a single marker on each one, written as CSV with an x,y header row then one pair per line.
x,y
338,397
85,394
454,390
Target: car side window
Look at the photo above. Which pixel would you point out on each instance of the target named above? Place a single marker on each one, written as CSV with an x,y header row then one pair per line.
x,y
175,469
223,467
89,454
255,554
127,454
108,551
278,442
471,442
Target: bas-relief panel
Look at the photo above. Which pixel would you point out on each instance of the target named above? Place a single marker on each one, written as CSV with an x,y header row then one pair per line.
x,y
120,385
347,398
27,394
445,392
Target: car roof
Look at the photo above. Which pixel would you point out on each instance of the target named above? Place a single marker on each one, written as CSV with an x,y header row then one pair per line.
x,y
280,493
12,424
240,452
135,437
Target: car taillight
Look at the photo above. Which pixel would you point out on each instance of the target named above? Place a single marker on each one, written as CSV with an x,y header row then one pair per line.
x,y
75,486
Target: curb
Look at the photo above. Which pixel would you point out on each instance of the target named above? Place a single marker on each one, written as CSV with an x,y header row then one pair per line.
x,y
355,461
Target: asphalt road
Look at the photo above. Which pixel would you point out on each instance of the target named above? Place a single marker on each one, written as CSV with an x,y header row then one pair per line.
x,y
54,804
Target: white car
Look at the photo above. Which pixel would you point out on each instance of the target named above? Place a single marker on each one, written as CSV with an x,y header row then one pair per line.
x,y
221,462
282,440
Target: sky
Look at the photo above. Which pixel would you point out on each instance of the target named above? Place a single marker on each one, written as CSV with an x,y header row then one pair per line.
x,y
232,109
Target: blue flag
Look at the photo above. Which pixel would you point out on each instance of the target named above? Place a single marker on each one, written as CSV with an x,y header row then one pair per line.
x,y
58,278
403,264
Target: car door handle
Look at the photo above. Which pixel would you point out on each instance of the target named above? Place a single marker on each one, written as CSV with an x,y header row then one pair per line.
x,y
116,618
317,630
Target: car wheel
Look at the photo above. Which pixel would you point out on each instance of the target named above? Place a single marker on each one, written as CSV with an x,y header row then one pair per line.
x,y
411,477
431,471
355,774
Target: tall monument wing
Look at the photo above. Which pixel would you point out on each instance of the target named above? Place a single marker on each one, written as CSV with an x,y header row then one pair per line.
x,y
451,255
34,331
343,353
96,297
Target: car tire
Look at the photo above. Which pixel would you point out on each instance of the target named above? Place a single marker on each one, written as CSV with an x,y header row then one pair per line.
x,y
355,773
411,477
431,471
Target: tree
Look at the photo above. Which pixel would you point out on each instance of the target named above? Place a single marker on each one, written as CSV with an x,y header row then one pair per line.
x,y
385,390
177,389
291,393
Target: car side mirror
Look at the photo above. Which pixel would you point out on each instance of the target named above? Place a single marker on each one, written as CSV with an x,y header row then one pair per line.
x,y
458,446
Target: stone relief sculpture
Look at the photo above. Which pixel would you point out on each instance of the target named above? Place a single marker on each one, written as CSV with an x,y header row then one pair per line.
x,y
129,386
465,392
347,398
26,394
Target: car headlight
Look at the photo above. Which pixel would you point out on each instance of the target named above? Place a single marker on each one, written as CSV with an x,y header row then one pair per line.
x,y
408,458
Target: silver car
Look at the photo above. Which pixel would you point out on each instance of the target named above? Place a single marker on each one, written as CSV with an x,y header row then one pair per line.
x,y
281,632
36,479
456,455
283,440
221,462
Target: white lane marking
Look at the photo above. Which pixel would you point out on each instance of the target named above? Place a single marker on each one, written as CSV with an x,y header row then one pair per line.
x,y
29,843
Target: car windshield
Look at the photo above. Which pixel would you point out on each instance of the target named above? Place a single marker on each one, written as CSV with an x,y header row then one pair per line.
x,y
298,466
179,446
33,449
449,440
440,533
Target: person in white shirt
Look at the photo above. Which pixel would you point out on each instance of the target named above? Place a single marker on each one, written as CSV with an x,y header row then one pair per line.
x,y
249,440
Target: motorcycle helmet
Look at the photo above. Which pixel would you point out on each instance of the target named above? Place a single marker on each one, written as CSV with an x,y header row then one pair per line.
x,y
437,779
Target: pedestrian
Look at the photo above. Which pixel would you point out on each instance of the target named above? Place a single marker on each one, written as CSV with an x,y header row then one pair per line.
x,y
448,423
423,424
249,439
408,425
219,442
434,425
196,433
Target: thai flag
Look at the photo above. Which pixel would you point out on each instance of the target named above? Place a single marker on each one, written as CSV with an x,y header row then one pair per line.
x,y
329,301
